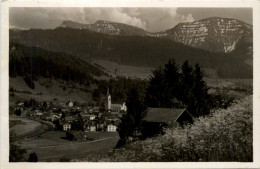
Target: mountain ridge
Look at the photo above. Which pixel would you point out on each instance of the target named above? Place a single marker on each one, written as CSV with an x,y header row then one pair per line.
x,y
208,33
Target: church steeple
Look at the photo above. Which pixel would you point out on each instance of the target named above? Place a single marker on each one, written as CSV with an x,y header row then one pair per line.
x,y
108,100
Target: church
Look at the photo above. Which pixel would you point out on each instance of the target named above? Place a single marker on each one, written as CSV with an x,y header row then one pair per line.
x,y
114,108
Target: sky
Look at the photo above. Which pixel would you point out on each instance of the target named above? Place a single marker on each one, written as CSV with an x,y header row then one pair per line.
x,y
151,19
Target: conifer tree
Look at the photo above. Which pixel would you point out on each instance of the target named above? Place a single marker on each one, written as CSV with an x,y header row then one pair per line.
x,y
131,123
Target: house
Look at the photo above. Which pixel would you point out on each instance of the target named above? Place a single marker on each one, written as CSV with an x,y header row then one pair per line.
x,y
88,116
20,104
111,128
66,126
123,107
93,128
70,119
70,103
157,119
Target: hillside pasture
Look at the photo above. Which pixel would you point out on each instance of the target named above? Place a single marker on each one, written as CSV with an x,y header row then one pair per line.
x,y
115,69
48,90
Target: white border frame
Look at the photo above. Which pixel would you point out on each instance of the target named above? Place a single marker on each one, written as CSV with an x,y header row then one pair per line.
x,y
4,104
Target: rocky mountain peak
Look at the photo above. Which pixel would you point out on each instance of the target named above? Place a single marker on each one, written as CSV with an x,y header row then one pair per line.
x,y
213,34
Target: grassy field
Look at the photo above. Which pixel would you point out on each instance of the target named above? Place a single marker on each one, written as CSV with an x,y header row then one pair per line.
x,y
47,90
115,69
22,126
52,147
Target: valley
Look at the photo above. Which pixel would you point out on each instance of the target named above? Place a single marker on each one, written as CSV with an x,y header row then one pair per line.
x,y
84,90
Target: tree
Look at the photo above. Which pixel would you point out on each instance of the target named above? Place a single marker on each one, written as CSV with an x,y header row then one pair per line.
x,y
18,112
164,86
16,154
44,105
131,123
202,99
79,124
173,89
33,102
155,91
69,135
33,157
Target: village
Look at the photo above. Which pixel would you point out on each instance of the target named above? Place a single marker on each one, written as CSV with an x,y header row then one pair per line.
x,y
72,116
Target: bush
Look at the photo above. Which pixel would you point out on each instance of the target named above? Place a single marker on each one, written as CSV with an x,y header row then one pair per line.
x,y
64,159
33,157
69,135
18,112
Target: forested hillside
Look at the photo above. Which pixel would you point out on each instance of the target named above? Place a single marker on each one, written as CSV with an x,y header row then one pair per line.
x,y
35,62
131,50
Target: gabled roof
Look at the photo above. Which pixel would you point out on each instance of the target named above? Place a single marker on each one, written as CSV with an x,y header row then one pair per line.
x,y
163,114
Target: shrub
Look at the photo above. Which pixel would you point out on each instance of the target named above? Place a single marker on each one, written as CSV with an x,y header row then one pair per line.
x,y
33,157
69,135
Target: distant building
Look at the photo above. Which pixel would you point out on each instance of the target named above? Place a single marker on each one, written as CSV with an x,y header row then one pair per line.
x,y
158,119
111,128
114,108
70,103
88,116
93,128
123,107
66,126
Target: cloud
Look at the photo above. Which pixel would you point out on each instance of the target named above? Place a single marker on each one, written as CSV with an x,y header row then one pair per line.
x,y
114,15
151,19
187,18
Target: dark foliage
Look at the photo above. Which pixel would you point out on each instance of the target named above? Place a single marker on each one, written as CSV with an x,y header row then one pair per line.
x,y
119,88
57,125
28,80
18,112
69,135
16,154
79,124
32,63
172,88
130,127
33,157
33,102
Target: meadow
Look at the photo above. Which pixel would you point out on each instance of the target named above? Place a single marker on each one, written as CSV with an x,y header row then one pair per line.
x,y
52,146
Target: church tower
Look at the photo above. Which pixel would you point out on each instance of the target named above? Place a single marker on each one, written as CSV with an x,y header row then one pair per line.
x,y
108,100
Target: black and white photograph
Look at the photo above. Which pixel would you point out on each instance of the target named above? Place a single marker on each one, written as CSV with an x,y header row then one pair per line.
x,y
130,84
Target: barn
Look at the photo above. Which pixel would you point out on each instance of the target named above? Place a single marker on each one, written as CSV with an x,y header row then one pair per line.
x,y
158,119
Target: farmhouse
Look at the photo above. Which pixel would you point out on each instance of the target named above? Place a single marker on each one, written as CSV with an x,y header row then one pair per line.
x,y
88,116
66,126
158,119
111,128
70,103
